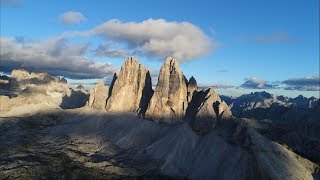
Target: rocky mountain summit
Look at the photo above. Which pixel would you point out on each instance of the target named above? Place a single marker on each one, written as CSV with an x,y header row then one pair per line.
x,y
132,92
192,86
206,110
98,96
25,91
128,130
21,78
132,89
263,105
169,101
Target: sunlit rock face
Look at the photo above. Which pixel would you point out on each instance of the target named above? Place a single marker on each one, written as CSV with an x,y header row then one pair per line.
x,y
132,89
206,110
98,96
34,89
21,78
20,74
169,101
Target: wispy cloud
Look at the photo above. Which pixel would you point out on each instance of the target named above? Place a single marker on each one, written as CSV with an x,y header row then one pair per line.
x,y
216,86
309,83
256,83
72,17
12,3
55,56
222,70
276,37
106,49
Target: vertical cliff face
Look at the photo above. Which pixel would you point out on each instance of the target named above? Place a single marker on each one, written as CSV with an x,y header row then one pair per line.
x,y
98,96
169,101
132,89
206,110
174,97
192,86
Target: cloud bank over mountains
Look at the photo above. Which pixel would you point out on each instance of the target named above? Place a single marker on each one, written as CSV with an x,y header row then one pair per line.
x,y
152,38
56,56
309,83
256,83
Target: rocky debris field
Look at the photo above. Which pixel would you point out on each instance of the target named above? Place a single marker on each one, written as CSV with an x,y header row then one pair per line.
x,y
86,143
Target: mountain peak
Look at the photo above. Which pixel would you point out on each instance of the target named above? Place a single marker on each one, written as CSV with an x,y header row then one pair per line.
x,y
169,100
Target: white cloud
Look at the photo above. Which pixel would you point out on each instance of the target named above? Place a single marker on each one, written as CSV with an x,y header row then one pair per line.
x,y
158,38
105,49
55,56
72,17
151,38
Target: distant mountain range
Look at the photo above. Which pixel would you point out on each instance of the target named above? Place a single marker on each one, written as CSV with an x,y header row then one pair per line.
x,y
263,105
291,121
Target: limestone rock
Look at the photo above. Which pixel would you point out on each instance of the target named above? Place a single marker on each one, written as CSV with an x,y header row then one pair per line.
x,y
24,77
4,85
21,78
114,78
132,89
192,86
224,111
169,101
20,74
206,110
80,88
98,96
75,98
30,100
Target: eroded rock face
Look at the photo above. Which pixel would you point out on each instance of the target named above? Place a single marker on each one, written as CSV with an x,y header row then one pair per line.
x,y
98,96
192,86
169,101
4,85
30,100
20,74
21,78
132,89
206,110
75,98
38,78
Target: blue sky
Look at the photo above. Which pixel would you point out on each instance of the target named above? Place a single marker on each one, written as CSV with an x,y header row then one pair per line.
x,y
255,45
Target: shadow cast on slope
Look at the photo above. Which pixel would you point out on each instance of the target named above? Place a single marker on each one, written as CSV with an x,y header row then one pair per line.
x,y
147,93
76,99
59,144
113,144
